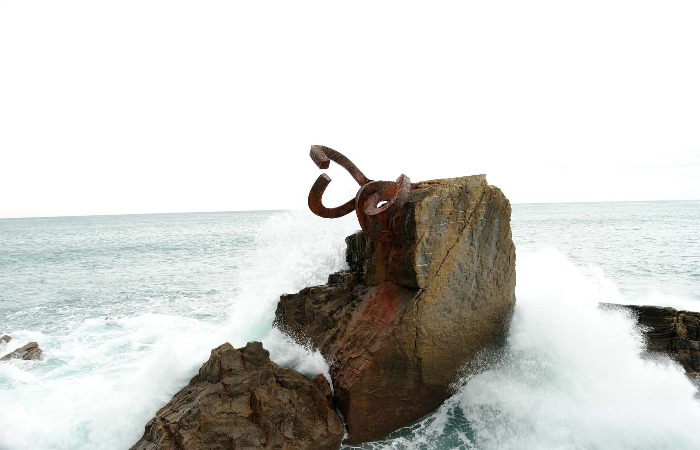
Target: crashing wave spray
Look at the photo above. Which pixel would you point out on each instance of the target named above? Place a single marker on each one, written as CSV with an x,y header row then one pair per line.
x,y
571,376
100,383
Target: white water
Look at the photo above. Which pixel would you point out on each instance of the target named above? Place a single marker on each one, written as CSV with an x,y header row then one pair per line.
x,y
98,386
572,375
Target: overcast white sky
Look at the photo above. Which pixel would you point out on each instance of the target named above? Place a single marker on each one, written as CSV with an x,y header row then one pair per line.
x,y
164,106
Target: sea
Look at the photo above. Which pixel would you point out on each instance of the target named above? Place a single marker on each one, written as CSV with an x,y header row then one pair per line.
x,y
127,308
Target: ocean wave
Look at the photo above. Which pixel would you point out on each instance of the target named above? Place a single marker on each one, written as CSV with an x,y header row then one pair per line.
x,y
572,375
100,383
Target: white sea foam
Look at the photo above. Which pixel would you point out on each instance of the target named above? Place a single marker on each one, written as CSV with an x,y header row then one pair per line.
x,y
98,385
572,376
309,362
292,251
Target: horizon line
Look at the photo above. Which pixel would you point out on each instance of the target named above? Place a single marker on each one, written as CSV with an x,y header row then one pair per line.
x,y
297,209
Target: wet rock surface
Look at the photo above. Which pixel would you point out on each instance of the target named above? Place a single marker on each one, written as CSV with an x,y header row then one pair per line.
x,y
241,399
674,332
28,352
398,327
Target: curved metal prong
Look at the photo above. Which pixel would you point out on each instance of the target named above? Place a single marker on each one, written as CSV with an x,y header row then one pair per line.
x,y
316,202
321,155
377,203
374,219
393,194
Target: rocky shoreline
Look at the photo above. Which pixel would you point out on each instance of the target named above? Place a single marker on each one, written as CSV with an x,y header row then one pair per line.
x,y
397,329
670,332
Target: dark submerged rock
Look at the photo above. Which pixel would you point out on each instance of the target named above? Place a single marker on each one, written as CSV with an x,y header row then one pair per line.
x,y
670,331
241,399
30,351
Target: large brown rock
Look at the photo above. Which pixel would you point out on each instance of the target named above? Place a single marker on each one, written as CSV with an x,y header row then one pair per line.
x,y
398,327
241,399
30,351
670,331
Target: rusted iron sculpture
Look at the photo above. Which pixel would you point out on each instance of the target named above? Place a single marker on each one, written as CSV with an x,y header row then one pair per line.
x,y
375,204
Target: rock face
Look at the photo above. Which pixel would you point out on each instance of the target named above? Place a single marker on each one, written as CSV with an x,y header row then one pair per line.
x,y
674,332
409,314
241,399
28,352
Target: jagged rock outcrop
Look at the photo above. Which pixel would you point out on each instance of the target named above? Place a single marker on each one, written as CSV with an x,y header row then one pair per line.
x,y
5,339
241,399
28,352
674,332
409,314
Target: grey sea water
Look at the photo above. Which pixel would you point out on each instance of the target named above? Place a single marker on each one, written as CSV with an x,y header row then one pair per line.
x,y
127,308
